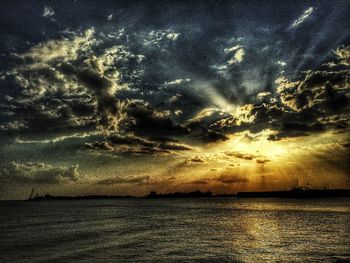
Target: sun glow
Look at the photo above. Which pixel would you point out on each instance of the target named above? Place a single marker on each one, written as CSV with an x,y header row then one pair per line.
x,y
256,144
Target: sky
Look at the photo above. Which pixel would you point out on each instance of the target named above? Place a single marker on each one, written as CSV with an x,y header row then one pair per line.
x,y
126,97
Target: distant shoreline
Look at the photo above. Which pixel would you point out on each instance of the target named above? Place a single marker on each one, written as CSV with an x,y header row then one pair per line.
x,y
294,193
196,194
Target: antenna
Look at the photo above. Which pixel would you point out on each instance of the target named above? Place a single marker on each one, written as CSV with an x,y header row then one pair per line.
x,y
31,194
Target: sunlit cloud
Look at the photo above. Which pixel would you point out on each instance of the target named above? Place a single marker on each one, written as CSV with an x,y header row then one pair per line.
x,y
48,11
301,19
237,53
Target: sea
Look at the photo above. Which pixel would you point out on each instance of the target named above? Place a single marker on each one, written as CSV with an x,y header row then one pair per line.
x,y
176,230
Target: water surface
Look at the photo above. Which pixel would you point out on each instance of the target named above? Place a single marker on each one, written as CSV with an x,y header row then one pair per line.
x,y
175,230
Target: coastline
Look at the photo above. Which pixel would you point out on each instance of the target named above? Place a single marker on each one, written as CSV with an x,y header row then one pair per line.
x,y
293,193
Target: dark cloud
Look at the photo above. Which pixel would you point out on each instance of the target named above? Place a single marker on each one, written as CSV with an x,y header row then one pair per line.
x,y
146,121
124,180
137,145
174,146
200,181
346,145
226,177
240,155
262,161
229,178
39,173
196,159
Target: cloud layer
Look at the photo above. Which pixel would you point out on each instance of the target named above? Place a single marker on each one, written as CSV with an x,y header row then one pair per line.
x,y
167,82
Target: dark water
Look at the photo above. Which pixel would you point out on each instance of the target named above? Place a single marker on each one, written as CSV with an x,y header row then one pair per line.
x,y
175,230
